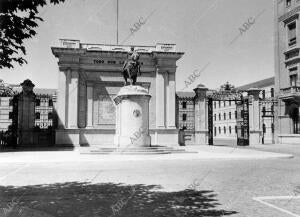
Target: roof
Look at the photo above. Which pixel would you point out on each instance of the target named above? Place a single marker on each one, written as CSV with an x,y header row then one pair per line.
x,y
258,84
185,94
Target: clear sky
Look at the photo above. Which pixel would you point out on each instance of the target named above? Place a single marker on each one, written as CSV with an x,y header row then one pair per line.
x,y
206,30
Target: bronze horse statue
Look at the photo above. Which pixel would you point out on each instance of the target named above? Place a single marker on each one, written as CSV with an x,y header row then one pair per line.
x,y
131,68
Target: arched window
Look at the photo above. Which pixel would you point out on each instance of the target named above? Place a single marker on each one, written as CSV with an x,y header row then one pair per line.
x,y
38,102
264,110
50,116
37,115
50,102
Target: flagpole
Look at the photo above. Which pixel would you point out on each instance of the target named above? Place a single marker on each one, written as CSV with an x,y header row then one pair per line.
x,y
117,21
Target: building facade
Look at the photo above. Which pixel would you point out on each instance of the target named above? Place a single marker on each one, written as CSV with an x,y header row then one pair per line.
x,y
90,75
287,74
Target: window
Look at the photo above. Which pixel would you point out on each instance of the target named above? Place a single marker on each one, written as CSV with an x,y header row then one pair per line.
x,y
229,103
292,34
10,115
272,92
224,116
215,131
293,80
50,102
224,130
215,105
263,94
264,111
183,117
38,102
272,127
224,103
219,130
272,108
235,114
37,115
10,102
219,117
230,115
235,129
215,117
264,128
50,116
288,3
229,129
219,104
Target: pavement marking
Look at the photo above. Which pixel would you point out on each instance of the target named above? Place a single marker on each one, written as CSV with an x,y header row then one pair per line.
x,y
14,172
261,200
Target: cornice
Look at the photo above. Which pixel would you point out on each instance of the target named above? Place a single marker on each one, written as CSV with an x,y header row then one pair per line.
x,y
287,16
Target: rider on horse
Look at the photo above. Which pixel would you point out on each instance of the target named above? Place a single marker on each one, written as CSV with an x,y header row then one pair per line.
x,y
131,67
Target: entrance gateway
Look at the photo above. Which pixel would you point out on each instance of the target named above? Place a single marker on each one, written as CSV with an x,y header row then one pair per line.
x,y
242,112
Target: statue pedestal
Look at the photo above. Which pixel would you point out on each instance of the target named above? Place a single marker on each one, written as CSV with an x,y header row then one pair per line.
x,y
132,117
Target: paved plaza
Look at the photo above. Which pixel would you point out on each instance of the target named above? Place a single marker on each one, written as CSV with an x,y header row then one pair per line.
x,y
43,184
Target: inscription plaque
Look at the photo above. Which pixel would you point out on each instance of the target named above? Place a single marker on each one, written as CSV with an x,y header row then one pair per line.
x,y
106,110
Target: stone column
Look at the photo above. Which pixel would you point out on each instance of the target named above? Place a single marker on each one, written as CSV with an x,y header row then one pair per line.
x,y
73,101
82,102
201,126
26,114
254,116
89,105
160,99
171,102
62,99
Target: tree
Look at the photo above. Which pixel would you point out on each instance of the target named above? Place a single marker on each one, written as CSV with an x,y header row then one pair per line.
x,y
18,19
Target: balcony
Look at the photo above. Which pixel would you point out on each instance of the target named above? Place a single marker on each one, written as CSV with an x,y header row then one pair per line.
x,y
290,94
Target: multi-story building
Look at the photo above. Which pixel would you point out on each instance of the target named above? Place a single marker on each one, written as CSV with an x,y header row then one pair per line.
x,y
6,94
287,74
185,110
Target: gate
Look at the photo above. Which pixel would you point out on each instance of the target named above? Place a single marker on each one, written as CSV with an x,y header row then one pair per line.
x,y
229,93
210,122
242,122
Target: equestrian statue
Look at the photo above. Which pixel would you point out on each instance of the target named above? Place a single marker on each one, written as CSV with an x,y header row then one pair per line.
x,y
131,67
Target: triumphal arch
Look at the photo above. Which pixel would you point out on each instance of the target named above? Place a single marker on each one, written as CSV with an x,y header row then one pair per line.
x,y
90,76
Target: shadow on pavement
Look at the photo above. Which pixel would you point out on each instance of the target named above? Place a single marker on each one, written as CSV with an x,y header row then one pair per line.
x,y
75,199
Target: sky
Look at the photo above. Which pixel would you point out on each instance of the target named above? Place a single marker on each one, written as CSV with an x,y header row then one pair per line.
x,y
212,34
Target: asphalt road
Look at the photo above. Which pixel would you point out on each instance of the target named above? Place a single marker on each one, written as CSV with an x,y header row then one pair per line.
x,y
155,188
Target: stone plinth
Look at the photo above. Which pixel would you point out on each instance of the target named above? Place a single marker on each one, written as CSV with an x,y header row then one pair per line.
x,y
132,117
